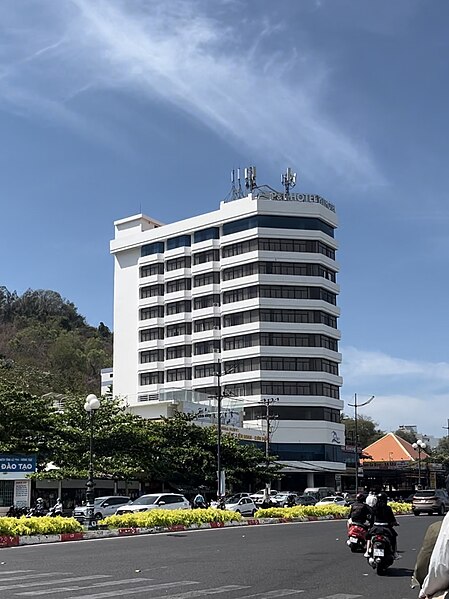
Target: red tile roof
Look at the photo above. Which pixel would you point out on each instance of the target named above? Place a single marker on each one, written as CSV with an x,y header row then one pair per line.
x,y
391,448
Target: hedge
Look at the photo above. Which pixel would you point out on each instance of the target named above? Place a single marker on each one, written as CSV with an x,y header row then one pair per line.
x,y
38,526
166,518
338,511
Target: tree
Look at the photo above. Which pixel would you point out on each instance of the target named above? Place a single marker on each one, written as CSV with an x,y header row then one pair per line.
x,y
406,435
366,429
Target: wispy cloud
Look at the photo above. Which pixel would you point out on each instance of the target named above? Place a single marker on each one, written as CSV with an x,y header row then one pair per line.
x,y
251,92
406,391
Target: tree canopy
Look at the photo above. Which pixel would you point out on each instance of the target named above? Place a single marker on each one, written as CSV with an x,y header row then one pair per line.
x,y
367,430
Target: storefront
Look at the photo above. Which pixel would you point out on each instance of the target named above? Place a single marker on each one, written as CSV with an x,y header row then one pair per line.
x,y
15,487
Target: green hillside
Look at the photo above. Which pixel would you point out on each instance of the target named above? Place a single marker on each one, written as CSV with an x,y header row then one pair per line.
x,y
46,345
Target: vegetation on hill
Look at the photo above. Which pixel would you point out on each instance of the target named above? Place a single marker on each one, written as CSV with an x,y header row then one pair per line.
x,y
46,345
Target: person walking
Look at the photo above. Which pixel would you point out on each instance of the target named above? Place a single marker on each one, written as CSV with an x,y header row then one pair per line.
x,y
371,500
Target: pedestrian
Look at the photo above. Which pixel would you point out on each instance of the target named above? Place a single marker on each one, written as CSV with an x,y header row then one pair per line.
x,y
423,559
199,501
371,500
436,582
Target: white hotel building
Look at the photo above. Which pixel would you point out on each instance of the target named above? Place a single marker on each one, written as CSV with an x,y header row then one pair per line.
x,y
252,284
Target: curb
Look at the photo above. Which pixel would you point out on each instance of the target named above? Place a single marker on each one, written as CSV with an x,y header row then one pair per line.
x,y
15,541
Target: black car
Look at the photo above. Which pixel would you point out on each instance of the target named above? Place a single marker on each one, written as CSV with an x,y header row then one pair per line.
x,y
306,500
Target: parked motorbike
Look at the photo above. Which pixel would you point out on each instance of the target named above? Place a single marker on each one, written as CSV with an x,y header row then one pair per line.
x,y
381,555
36,512
357,538
16,511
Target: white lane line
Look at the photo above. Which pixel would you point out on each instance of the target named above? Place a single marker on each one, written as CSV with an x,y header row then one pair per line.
x,y
151,587
30,576
341,596
269,594
95,585
202,593
47,582
14,572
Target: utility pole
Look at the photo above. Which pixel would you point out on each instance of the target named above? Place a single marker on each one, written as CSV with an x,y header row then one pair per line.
x,y
219,396
355,405
268,417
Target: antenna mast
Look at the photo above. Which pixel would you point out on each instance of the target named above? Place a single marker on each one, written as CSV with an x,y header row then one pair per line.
x,y
288,180
250,178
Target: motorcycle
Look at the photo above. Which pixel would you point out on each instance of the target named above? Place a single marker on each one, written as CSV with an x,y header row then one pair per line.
x,y
357,537
16,511
381,555
36,512
56,510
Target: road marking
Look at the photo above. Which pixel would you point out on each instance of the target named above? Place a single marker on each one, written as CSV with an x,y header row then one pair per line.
x,y
151,587
341,596
14,572
47,582
29,576
95,585
269,594
203,592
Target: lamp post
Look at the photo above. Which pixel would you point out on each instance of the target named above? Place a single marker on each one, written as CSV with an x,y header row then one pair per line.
x,y
92,404
419,446
356,405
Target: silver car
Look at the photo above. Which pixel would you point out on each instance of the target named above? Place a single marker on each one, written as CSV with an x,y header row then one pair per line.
x,y
161,501
103,506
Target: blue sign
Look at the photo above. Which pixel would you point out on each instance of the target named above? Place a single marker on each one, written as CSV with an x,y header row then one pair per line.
x,y
17,464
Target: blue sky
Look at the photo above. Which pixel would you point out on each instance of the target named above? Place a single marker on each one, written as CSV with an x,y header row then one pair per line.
x,y
109,108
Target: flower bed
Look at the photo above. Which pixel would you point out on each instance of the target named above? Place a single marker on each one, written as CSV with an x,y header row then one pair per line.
x,y
167,518
321,511
38,526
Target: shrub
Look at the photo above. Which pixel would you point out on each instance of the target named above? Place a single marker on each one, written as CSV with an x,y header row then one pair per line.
x,y
301,511
166,518
38,526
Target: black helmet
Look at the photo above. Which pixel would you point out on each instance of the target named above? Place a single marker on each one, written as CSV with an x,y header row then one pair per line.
x,y
360,497
382,498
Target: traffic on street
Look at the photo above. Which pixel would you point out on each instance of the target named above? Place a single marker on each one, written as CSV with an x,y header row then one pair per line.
x,y
296,559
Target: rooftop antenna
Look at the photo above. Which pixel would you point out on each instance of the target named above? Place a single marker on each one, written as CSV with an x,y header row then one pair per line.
x,y
288,180
234,190
239,180
250,178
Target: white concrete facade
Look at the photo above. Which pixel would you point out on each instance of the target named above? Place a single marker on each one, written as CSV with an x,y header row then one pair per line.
x,y
252,285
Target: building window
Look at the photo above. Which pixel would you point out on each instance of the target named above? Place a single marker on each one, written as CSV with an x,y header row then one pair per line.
x,y
279,292
280,363
151,378
178,351
178,307
278,245
151,269
274,315
206,347
240,295
207,256
152,312
178,285
280,340
182,328
206,301
151,291
152,248
155,355
205,370
176,263
304,223
293,413
206,324
179,374
179,242
283,388
243,270
205,234
151,334
208,278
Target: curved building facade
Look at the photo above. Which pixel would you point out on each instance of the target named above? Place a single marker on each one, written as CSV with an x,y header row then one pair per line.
x,y
254,286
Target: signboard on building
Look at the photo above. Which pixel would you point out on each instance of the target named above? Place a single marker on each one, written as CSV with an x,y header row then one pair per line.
x,y
22,490
15,466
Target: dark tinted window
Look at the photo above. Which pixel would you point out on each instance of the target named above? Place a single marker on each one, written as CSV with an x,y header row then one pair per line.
x,y
205,234
178,242
278,222
152,248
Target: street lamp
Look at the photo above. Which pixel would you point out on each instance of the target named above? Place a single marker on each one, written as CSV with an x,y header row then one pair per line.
x,y
356,405
419,446
92,404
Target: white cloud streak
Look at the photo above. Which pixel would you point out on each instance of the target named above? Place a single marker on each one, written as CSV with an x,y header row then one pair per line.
x,y
235,82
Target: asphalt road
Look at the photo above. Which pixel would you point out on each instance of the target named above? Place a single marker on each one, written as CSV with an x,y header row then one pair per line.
x,y
286,560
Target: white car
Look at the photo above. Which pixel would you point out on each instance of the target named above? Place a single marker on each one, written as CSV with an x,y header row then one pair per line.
x,y
337,500
281,499
155,501
259,496
103,506
244,506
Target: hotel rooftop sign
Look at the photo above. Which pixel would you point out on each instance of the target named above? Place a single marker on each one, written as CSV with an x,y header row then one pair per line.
x,y
295,197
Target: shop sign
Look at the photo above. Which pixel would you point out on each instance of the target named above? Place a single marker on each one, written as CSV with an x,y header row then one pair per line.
x,y
17,464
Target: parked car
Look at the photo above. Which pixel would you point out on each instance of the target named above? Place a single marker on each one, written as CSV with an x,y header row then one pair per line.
x,y
306,500
103,506
160,501
429,501
319,492
244,506
281,498
337,500
259,496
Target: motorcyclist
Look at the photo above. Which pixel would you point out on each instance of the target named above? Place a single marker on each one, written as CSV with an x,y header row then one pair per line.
x,y
383,522
291,501
360,512
56,510
199,501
